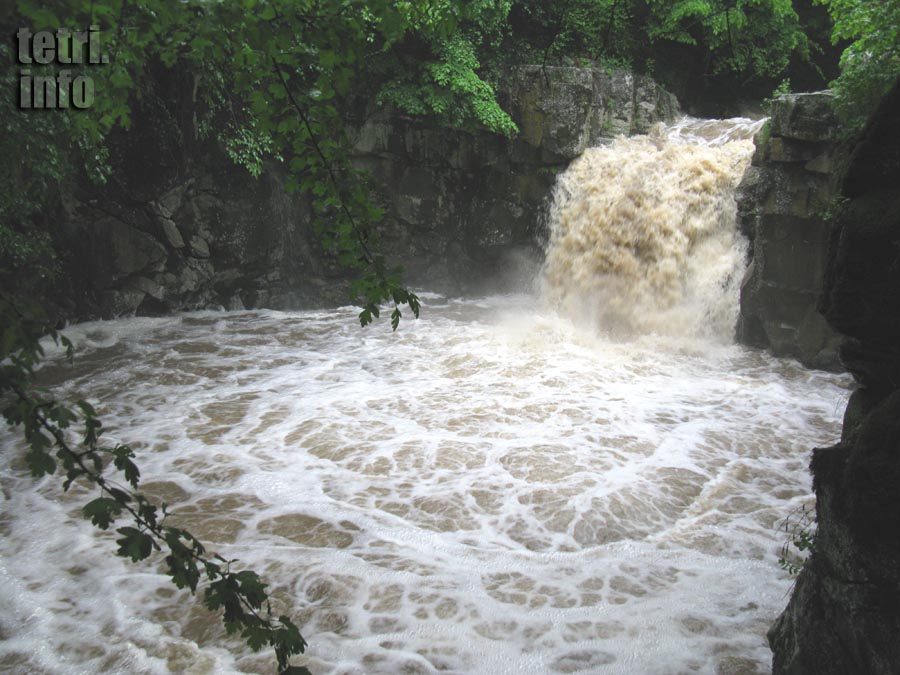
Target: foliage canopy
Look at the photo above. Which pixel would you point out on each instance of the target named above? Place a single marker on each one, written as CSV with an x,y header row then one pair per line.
x,y
747,38
870,64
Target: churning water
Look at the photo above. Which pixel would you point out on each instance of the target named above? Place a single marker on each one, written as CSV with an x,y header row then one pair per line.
x,y
495,488
643,237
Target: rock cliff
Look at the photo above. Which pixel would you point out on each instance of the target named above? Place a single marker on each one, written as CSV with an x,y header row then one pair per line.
x,y
844,614
179,226
783,204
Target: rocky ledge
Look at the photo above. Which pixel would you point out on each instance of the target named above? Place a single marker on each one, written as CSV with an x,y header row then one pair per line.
x,y
783,205
844,614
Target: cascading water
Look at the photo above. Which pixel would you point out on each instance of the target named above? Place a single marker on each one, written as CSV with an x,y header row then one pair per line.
x,y
492,489
643,237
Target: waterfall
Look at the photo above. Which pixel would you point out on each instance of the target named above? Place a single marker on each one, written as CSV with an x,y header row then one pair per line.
x,y
643,235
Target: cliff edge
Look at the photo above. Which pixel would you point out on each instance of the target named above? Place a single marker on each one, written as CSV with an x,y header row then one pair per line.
x,y
844,614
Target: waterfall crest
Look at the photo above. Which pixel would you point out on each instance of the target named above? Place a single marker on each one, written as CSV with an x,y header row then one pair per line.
x,y
643,235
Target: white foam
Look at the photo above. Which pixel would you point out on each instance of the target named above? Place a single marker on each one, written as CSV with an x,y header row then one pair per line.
x,y
642,232
711,132
488,490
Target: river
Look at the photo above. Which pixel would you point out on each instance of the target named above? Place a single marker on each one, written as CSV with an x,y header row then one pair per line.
x,y
512,484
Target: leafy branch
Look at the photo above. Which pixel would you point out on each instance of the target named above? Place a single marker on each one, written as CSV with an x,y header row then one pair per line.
x,y
241,596
323,170
377,283
800,526
870,63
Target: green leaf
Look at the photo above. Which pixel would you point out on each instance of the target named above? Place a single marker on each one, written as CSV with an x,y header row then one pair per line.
x,y
40,463
183,571
119,495
92,430
102,511
121,78
257,637
122,460
147,511
252,587
86,408
134,544
71,476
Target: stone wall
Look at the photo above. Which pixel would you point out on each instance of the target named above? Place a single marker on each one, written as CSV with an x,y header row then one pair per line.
x,y
783,203
179,226
844,613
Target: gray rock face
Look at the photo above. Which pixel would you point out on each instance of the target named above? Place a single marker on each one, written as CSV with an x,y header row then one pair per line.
x,y
804,117
783,203
464,211
844,614
182,227
565,110
204,242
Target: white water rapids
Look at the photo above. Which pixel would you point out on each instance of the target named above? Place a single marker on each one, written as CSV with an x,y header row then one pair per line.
x,y
493,489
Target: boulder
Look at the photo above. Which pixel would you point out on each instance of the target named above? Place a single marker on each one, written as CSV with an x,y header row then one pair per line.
x,y
171,234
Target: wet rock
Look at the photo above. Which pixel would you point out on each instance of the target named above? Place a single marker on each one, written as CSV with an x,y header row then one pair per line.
x,y
783,205
564,110
652,104
170,233
170,201
155,288
805,117
199,247
110,250
844,613
862,294
120,302
235,304
553,107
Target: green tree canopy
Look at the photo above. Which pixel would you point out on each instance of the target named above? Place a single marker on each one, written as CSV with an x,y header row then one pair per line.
x,y
756,37
870,64
748,38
